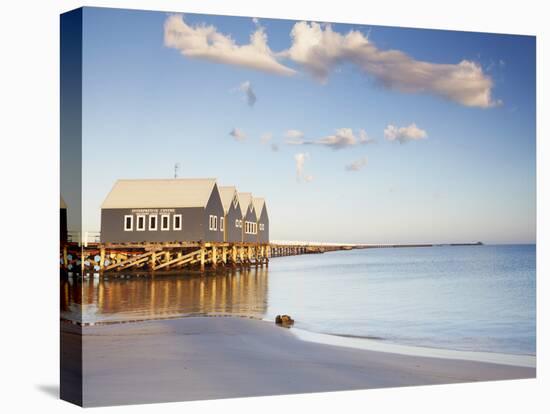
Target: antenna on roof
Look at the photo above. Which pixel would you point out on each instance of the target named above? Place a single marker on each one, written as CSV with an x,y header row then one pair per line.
x,y
176,168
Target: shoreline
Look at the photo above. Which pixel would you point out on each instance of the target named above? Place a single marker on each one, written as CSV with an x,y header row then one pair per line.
x,y
346,341
520,360
196,358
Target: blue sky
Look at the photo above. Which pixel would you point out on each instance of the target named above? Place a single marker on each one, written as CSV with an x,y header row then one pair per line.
x,y
411,146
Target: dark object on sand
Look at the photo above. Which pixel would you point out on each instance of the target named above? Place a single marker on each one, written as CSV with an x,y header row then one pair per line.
x,y
284,320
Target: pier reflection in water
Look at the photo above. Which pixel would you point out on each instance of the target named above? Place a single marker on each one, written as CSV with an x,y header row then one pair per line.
x,y
234,292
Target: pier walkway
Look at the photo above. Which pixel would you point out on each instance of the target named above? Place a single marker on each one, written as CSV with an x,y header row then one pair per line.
x,y
89,256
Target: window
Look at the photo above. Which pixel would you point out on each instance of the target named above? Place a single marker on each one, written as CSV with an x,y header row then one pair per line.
x,y
140,225
262,227
255,228
177,222
213,223
153,222
128,223
237,223
250,227
235,201
222,223
165,222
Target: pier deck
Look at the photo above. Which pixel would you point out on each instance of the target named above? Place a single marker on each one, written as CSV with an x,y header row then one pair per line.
x,y
152,258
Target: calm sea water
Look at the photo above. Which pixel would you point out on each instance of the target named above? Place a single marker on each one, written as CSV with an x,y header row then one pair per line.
x,y
478,298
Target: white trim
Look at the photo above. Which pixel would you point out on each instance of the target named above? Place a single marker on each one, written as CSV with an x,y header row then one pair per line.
x,y
144,221
222,223
174,222
156,216
162,228
213,223
131,217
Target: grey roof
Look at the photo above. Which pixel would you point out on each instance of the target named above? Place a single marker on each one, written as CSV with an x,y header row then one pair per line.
x,y
259,204
162,193
227,193
244,200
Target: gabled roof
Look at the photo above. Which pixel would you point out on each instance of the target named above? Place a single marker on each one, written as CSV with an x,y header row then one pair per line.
x,y
259,204
162,193
227,193
244,200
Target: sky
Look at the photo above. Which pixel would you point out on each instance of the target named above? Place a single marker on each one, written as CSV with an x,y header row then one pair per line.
x,y
352,133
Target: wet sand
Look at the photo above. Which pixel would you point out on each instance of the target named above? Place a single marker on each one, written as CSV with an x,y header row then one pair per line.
x,y
223,357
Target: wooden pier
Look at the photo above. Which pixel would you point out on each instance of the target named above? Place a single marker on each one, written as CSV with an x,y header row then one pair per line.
x,y
152,258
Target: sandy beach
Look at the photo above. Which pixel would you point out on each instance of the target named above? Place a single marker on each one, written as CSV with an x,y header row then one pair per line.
x,y
226,357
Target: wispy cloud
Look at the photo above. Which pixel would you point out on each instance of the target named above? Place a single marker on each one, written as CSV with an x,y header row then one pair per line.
x,y
404,134
246,88
319,49
364,138
294,134
238,134
342,138
357,164
205,42
266,137
300,159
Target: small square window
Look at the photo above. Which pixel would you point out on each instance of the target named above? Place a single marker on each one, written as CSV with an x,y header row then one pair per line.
x,y
213,223
165,222
128,223
153,222
177,225
140,224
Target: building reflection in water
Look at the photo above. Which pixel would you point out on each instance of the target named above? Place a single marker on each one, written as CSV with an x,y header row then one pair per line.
x,y
239,292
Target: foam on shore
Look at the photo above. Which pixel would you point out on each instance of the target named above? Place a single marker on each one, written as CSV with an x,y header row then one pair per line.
x,y
528,361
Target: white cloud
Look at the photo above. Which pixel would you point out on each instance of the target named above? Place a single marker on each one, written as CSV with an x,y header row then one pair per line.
x,y
300,159
246,88
320,50
357,164
294,134
404,134
342,138
364,138
205,42
266,137
238,134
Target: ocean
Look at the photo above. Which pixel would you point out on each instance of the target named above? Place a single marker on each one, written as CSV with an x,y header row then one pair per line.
x,y
472,298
